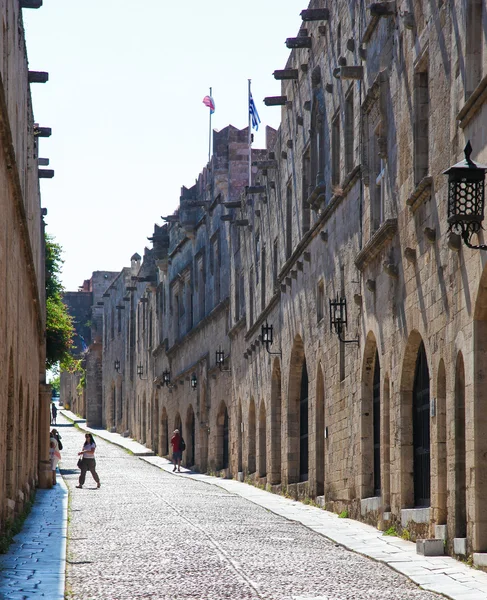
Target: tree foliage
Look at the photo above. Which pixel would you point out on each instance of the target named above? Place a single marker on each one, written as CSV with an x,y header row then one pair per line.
x,y
59,325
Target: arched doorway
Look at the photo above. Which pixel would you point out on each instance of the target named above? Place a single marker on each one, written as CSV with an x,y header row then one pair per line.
x,y
440,517
203,431
376,426
222,438
262,471
320,433
251,448
164,441
239,438
155,422
190,437
460,488
20,438
274,475
11,458
421,430
303,426
296,468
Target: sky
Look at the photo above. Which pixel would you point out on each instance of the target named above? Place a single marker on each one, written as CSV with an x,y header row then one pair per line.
x,y
124,101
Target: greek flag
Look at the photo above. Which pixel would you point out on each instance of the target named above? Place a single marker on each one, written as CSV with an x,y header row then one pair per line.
x,y
254,115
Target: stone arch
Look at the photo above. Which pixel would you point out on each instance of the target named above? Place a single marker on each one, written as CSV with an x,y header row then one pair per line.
x,y
262,429
478,413
439,464
251,438
178,424
190,437
370,452
320,432
460,487
386,444
112,406
20,437
274,474
155,421
143,432
204,430
222,437
11,422
293,418
239,438
410,450
164,433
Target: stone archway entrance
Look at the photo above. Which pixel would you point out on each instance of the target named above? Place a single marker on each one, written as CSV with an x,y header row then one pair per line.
x,y
421,431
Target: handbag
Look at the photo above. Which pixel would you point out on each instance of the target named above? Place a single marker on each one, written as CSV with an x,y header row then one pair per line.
x,y
80,462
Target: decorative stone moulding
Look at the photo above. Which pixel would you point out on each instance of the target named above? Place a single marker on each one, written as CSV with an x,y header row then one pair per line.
x,y
45,173
370,285
421,193
454,242
241,222
324,235
315,14
275,100
349,72
255,189
342,61
281,74
298,42
38,77
377,242
265,164
391,270
299,120
410,254
430,234
351,45
382,9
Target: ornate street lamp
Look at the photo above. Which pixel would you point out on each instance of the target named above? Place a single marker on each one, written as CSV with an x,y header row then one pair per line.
x,y
194,381
140,371
338,318
267,337
466,198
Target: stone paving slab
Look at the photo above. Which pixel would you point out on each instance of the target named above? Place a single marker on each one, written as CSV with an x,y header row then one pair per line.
x,y
35,564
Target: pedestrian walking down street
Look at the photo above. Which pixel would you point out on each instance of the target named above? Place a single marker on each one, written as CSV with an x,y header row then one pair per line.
x,y
177,452
53,414
55,434
88,462
54,455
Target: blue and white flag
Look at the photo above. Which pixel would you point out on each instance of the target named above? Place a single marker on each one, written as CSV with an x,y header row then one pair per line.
x,y
254,115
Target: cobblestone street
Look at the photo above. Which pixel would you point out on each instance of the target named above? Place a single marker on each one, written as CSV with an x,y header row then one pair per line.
x,y
150,534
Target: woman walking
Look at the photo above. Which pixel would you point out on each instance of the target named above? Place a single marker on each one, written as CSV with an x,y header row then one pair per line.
x,y
54,455
88,462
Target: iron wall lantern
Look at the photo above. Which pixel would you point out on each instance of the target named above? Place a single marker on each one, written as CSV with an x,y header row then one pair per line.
x,y
194,381
220,360
466,198
116,364
267,337
140,371
166,378
338,318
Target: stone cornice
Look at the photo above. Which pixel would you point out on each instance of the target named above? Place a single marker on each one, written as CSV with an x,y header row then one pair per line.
x,y
473,104
377,242
421,193
263,315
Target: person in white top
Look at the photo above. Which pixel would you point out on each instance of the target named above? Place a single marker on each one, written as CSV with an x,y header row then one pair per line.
x,y
88,462
54,455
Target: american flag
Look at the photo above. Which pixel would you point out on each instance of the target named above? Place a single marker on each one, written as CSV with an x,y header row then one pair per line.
x,y
254,115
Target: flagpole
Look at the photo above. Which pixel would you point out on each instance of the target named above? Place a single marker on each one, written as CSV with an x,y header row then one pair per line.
x,y
250,139
209,135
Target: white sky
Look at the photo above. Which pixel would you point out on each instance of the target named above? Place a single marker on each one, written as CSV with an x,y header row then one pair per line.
x,y
124,100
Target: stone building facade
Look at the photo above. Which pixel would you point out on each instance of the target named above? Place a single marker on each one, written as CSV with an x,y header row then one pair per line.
x,y
381,413
24,394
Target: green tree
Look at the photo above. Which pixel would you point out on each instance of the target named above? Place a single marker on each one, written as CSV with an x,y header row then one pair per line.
x,y
59,325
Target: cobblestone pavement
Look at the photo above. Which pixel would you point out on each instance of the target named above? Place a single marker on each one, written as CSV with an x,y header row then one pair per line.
x,y
149,534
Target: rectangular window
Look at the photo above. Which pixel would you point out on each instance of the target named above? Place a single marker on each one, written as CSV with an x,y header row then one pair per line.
x,y
421,125
335,151
289,219
349,132
473,54
320,301
306,190
251,296
275,263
